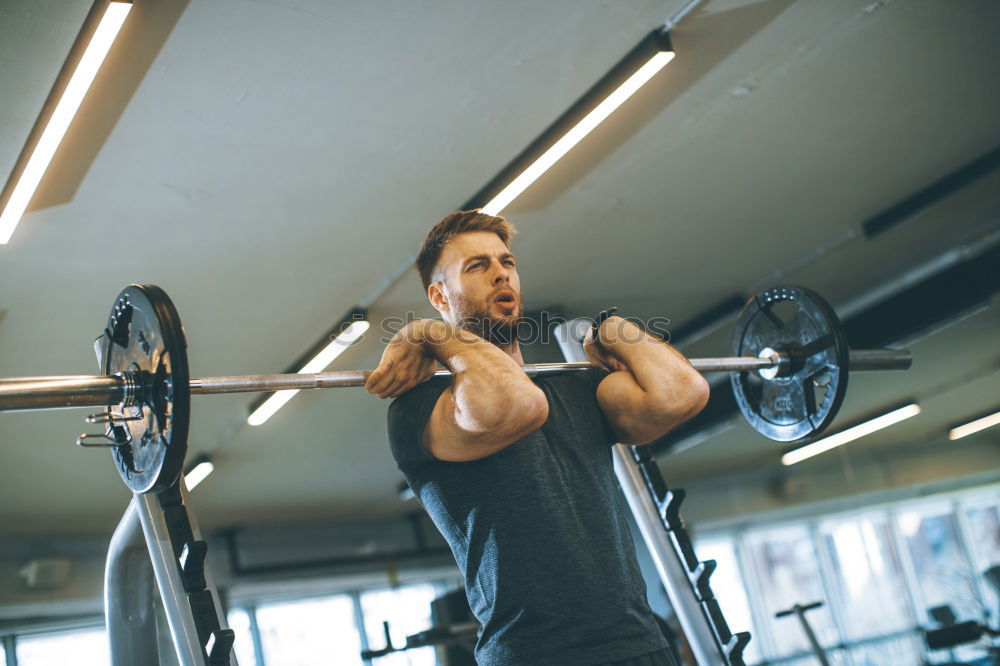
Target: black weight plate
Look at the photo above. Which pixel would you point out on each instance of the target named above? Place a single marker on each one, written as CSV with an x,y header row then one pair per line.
x,y
145,340
802,404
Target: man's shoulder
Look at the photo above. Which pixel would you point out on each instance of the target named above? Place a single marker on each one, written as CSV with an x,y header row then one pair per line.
x,y
408,416
570,380
419,394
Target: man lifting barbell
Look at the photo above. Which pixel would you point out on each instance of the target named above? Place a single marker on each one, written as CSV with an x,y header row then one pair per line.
x,y
521,488
517,472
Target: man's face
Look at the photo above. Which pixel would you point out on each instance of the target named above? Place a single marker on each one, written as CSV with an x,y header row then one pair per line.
x,y
481,291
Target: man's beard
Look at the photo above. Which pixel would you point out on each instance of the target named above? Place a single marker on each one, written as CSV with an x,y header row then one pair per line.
x,y
475,318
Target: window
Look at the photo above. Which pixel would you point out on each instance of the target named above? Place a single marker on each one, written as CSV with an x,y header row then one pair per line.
x,y
407,610
983,521
943,575
878,570
869,579
787,572
80,648
307,632
239,622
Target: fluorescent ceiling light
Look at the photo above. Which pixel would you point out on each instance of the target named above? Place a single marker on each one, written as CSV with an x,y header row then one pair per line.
x,y
631,73
974,426
198,473
58,123
843,437
348,337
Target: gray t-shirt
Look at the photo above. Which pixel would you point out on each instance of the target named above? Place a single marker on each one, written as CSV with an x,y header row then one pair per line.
x,y
538,529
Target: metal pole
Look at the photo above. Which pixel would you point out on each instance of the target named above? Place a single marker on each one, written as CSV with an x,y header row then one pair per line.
x,y
258,645
128,595
183,615
60,391
671,569
800,612
257,383
24,393
209,579
161,553
10,650
864,360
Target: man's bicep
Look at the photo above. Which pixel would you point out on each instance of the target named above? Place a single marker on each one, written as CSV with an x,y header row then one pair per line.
x,y
446,439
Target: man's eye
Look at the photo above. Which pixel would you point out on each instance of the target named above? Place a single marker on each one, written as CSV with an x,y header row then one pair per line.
x,y
478,263
509,261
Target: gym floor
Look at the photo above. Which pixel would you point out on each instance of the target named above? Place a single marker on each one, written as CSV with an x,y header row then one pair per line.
x,y
274,166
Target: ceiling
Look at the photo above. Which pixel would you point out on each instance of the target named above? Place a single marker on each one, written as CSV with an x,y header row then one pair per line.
x,y
271,163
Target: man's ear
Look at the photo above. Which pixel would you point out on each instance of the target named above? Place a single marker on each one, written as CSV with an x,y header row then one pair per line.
x,y
437,297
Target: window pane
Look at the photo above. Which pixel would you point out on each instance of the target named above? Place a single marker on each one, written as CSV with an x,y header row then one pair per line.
x,y
239,622
984,528
788,572
869,575
407,610
984,523
944,577
304,633
730,591
80,648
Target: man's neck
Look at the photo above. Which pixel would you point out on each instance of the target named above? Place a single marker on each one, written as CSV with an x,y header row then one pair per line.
x,y
514,351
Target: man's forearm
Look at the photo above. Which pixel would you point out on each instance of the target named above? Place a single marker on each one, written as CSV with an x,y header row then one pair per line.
x,y
659,370
488,384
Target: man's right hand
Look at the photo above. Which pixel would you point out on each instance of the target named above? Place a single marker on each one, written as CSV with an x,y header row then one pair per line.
x,y
406,361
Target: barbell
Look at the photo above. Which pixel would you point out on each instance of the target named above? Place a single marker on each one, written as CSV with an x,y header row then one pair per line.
x,y
789,375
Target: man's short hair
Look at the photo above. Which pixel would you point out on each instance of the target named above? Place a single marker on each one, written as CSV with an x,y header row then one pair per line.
x,y
459,222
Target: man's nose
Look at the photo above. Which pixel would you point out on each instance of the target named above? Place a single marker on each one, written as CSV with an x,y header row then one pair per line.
x,y
501,275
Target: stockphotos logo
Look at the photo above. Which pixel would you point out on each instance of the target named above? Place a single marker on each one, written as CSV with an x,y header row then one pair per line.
x,y
541,328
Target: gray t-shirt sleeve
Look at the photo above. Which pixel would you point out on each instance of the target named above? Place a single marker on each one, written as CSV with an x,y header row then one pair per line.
x,y
597,376
407,417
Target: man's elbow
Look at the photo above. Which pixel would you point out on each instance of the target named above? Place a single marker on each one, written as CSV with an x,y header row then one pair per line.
x,y
697,396
513,416
687,398
526,412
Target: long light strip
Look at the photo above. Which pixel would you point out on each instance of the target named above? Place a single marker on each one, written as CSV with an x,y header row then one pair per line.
x,y
66,108
974,426
318,363
198,473
577,132
849,435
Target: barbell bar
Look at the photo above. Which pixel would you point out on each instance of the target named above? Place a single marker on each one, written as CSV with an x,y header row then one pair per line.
x,y
55,392
788,364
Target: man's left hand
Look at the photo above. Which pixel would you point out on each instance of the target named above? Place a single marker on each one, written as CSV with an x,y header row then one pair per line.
x,y
598,355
